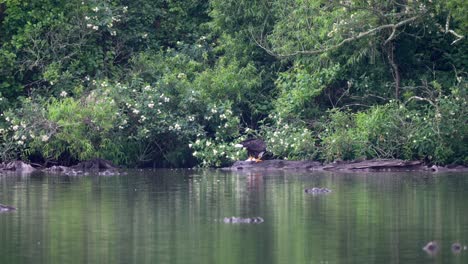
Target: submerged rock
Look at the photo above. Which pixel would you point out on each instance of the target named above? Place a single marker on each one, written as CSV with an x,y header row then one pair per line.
x,y
99,166
240,220
431,248
456,248
317,190
6,208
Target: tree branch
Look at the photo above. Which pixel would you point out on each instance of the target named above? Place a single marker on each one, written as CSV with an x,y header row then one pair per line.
x,y
448,30
394,27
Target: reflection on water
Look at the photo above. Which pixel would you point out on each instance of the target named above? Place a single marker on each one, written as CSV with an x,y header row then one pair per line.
x,y
176,216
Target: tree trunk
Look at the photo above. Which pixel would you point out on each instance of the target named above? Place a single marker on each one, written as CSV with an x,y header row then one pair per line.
x,y
395,71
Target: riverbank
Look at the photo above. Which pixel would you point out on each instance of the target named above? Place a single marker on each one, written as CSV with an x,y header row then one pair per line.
x,y
104,167
362,165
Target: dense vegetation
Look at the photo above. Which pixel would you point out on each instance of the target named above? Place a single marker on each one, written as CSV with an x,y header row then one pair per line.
x,y
177,83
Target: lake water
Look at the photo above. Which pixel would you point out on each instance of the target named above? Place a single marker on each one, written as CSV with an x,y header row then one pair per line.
x,y
173,216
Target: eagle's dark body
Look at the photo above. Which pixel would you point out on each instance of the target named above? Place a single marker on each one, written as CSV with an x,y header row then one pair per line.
x,y
255,147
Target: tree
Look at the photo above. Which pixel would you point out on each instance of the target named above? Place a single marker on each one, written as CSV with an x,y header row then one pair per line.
x,y
314,27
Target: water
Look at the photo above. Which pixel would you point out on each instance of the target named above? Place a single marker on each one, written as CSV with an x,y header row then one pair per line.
x,y
166,216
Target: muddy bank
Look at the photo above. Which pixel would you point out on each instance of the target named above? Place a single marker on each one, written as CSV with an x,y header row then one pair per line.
x,y
364,165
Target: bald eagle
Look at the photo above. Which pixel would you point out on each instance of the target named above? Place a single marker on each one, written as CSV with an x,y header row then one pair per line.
x,y
255,148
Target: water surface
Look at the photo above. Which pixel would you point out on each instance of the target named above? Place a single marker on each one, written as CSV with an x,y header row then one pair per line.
x,y
173,216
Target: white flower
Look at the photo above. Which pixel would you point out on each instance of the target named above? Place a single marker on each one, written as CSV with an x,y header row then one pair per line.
x,y
166,99
181,75
23,137
95,27
177,126
145,35
208,143
86,17
7,119
136,111
195,154
125,9
190,145
113,33
215,151
44,138
20,142
150,105
15,127
89,25
63,94
96,9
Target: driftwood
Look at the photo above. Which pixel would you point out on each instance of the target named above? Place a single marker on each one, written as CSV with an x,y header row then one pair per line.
x,y
365,165
376,165
276,165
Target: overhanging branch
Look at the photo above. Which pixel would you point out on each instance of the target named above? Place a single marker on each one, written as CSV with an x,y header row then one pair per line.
x,y
394,27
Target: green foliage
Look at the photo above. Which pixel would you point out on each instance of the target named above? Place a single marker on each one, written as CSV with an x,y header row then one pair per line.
x,y
300,89
292,141
214,147
138,81
433,129
65,128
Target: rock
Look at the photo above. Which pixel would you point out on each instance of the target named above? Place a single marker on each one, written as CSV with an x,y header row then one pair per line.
x,y
317,190
18,166
95,164
456,248
57,169
240,220
431,248
6,208
449,168
99,166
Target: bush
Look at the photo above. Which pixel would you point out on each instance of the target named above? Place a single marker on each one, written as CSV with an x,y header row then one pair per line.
x,y
293,141
432,128
65,128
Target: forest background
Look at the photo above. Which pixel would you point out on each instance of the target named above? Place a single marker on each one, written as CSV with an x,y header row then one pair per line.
x,y
176,83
